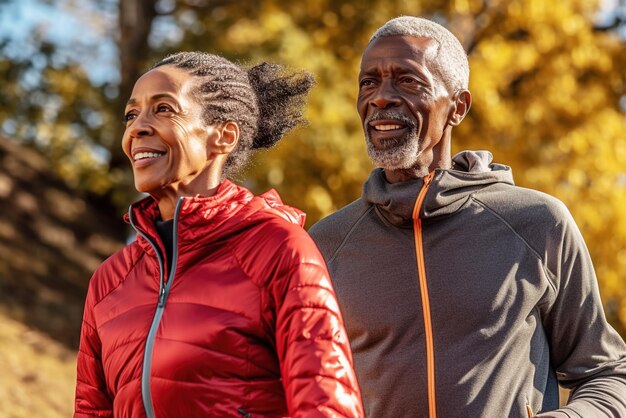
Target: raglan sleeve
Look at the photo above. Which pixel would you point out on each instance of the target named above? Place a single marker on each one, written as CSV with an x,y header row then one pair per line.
x,y
311,341
92,398
589,356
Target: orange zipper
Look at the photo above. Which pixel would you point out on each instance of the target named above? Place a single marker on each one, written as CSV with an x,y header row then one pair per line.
x,y
428,328
529,411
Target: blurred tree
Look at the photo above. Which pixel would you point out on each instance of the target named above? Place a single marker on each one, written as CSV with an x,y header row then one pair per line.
x,y
547,80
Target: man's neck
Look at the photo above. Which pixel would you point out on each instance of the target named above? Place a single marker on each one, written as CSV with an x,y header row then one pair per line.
x,y
397,176
417,172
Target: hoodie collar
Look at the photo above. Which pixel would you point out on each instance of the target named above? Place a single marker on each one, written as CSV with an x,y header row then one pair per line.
x,y
448,192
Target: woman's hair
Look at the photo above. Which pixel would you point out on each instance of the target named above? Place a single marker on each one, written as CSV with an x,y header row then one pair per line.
x,y
265,100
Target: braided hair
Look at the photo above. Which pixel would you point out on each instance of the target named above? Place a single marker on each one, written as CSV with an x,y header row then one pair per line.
x,y
266,101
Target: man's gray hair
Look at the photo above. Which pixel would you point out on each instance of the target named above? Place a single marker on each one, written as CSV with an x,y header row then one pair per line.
x,y
451,64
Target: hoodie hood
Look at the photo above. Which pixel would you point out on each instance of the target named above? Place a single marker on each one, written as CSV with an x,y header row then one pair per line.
x,y
449,190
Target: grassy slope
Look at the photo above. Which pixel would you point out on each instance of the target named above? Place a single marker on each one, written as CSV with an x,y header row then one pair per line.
x,y
38,373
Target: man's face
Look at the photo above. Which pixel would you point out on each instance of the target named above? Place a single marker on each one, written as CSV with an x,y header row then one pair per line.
x,y
403,103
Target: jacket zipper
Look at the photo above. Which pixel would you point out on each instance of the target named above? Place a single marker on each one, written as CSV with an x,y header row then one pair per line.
x,y
421,269
164,290
244,413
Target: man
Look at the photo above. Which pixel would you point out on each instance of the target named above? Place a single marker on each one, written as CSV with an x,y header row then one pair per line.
x,y
464,295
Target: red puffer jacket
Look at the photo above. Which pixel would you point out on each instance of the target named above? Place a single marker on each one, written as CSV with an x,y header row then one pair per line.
x,y
246,325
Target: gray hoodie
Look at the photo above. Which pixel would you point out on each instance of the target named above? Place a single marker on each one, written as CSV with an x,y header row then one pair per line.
x,y
478,307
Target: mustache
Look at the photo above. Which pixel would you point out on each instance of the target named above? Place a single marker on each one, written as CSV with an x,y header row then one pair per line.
x,y
385,114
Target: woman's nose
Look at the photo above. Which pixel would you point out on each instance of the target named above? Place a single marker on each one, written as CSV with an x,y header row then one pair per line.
x,y
140,126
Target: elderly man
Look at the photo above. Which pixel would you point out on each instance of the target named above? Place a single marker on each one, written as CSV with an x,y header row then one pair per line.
x,y
464,295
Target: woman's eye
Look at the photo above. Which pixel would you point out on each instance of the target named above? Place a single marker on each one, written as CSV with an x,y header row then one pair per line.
x,y
129,116
408,80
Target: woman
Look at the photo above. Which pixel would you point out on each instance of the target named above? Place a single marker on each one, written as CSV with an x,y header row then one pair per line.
x,y
222,307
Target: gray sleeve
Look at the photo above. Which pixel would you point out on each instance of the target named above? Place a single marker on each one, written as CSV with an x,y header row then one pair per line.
x,y
588,355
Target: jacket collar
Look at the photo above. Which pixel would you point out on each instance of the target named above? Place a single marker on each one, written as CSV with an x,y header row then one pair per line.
x,y
209,218
449,191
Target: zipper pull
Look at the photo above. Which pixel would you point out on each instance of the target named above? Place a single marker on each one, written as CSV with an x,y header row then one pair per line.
x,y
429,178
244,413
162,297
422,194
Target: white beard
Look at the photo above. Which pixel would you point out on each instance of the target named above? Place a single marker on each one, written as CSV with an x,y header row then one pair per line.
x,y
400,156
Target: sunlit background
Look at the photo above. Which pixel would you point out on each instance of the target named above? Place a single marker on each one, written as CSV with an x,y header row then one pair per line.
x,y
549,88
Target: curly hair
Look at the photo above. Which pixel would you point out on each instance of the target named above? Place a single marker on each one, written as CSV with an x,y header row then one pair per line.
x,y
452,64
266,100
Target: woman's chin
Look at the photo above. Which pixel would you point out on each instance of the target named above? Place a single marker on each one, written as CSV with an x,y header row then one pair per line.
x,y
148,187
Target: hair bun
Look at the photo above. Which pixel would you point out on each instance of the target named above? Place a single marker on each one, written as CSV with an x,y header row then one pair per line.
x,y
281,98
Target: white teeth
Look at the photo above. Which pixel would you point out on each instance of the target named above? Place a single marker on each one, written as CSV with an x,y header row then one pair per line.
x,y
142,155
387,127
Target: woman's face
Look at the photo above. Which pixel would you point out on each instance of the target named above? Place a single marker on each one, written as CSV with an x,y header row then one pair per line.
x,y
166,138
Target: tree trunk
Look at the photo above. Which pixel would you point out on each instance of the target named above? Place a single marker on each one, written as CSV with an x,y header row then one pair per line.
x,y
135,22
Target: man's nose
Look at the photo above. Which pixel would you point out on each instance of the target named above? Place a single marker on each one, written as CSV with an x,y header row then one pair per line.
x,y
385,96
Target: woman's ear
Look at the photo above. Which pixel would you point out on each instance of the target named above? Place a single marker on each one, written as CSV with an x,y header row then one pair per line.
x,y
462,103
225,138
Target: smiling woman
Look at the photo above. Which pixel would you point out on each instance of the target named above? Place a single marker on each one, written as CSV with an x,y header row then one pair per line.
x,y
222,306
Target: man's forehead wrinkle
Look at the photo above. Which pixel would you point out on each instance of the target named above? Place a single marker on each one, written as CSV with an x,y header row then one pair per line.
x,y
396,65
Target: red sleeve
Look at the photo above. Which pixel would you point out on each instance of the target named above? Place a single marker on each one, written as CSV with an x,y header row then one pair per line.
x,y
92,398
312,344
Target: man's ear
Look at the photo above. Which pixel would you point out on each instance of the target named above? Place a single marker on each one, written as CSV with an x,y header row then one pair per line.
x,y
462,102
225,137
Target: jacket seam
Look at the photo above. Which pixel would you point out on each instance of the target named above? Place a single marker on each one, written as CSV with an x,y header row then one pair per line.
x,y
549,274
84,382
303,285
308,376
318,286
117,347
96,414
132,267
349,233
93,328
239,263
84,353
122,313
261,328
204,347
319,308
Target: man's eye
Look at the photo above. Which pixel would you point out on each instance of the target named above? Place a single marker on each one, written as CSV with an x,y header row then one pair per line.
x,y
366,82
408,80
163,108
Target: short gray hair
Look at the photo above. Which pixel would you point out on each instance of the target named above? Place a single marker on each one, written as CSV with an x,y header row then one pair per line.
x,y
452,63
